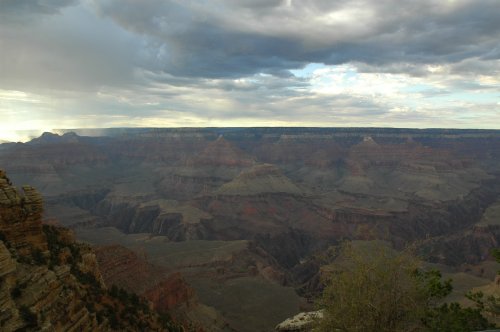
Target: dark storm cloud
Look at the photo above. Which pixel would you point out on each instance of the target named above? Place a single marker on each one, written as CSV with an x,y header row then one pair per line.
x,y
234,38
171,62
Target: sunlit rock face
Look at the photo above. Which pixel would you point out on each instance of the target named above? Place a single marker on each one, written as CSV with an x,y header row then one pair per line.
x,y
302,322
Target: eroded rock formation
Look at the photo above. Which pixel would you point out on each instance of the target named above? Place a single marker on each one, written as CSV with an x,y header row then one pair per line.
x,y
289,193
49,282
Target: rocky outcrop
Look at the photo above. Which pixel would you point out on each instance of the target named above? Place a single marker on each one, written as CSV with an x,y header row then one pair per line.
x,y
303,322
288,247
125,269
470,246
168,293
20,217
59,153
221,152
9,314
263,178
34,294
49,282
160,217
201,173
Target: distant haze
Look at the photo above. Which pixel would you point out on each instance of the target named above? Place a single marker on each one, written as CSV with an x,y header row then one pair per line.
x,y
164,63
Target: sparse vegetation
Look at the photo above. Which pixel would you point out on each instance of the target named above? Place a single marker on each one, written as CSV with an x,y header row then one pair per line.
x,y
38,257
28,316
130,308
451,317
28,273
373,293
4,239
85,278
387,291
125,309
490,304
17,290
166,323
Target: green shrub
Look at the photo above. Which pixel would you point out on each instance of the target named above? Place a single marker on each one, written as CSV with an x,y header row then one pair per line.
x,y
453,318
386,291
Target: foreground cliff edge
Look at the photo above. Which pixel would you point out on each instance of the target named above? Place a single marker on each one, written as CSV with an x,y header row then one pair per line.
x,y
49,282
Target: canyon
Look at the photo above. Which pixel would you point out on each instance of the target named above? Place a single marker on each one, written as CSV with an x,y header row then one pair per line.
x,y
50,282
229,228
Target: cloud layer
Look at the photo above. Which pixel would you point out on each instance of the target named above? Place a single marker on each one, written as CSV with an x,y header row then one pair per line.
x,y
92,63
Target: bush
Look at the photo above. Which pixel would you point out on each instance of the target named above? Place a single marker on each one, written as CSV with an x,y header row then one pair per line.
x,y
51,234
376,292
386,291
453,318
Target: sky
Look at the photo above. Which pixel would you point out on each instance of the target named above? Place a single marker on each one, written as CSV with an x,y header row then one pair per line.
x,y
183,63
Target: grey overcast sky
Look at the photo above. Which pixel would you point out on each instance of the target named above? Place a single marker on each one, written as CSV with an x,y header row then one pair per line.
x,y
171,63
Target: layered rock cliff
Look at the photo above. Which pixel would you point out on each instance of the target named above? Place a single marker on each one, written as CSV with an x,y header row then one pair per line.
x,y
20,218
49,282
290,192
168,293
